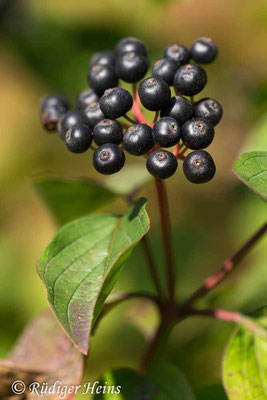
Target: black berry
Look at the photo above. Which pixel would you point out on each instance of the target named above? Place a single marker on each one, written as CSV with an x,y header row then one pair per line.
x,y
204,50
131,44
52,110
137,140
209,109
108,131
103,58
93,114
78,139
86,97
154,94
162,164
165,69
166,132
102,77
131,67
108,159
199,167
180,109
178,53
197,134
190,79
70,119
116,102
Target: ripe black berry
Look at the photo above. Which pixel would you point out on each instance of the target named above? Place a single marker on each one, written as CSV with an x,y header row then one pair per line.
x,y
78,139
166,132
178,53
180,109
70,119
108,131
204,50
165,69
52,110
137,140
116,102
209,109
131,67
108,159
103,58
162,164
131,44
102,77
93,114
197,134
199,167
86,97
154,93
190,79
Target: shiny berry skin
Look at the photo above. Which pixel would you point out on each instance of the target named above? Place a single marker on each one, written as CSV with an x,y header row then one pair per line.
x,y
108,159
165,69
180,109
103,58
79,138
101,78
86,97
199,167
93,114
209,109
178,53
132,67
204,50
108,131
197,134
131,44
161,163
137,140
53,108
116,102
70,119
154,94
190,79
166,132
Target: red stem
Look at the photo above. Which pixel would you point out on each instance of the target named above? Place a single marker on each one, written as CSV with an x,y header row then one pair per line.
x,y
136,109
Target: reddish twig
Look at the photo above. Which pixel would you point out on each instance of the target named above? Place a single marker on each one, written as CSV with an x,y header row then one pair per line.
x,y
136,107
129,119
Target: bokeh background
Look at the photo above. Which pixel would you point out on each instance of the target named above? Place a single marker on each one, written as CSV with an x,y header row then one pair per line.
x,y
45,47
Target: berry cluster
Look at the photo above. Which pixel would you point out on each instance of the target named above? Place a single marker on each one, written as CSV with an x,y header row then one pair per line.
x,y
179,122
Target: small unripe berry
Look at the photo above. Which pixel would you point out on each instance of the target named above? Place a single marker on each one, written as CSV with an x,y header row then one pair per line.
x,y
108,131
209,109
154,94
161,163
116,102
130,44
165,69
199,167
78,139
137,140
204,50
166,132
180,109
101,78
108,159
190,79
178,53
85,98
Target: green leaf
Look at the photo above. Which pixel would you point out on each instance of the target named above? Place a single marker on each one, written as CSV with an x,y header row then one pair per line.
x,y
72,199
162,382
82,263
251,169
245,364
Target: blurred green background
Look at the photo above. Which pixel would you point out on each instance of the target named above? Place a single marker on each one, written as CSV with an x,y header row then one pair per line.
x,y
45,47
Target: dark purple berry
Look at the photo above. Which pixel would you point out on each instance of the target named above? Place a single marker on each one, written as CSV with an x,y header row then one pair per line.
x,y
131,67
116,102
154,94
180,109
165,69
108,159
103,58
52,110
204,50
137,140
199,167
209,109
93,114
85,98
78,139
131,44
190,79
178,53
70,119
101,78
108,131
161,163
197,134
166,132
